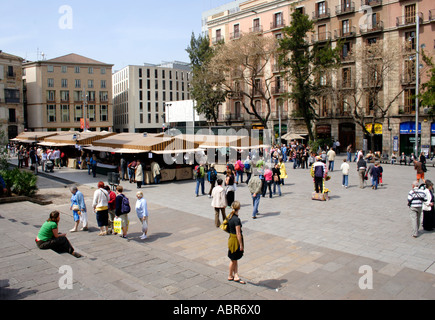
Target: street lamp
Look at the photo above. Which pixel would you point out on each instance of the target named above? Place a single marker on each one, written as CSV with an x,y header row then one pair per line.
x,y
417,76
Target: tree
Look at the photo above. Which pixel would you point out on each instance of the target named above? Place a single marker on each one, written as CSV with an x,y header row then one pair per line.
x,y
242,64
303,63
427,95
205,88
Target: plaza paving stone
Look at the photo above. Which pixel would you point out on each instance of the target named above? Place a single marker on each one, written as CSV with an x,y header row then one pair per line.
x,y
296,249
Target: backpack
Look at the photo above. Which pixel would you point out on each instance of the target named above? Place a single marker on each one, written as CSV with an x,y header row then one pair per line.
x,y
212,175
247,165
125,205
318,171
197,172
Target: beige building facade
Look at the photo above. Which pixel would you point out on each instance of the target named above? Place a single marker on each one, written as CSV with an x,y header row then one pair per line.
x,y
354,23
11,95
60,91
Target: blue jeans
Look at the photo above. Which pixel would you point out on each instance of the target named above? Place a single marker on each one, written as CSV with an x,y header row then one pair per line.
x,y
279,188
331,166
198,182
256,203
349,157
345,180
239,174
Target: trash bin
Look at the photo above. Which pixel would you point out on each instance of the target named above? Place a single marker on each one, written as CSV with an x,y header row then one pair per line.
x,y
114,179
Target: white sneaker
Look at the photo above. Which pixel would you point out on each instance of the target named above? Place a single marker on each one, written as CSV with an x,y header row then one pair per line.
x,y
143,237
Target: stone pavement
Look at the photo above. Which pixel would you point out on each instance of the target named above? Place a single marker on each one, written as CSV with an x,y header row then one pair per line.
x,y
357,246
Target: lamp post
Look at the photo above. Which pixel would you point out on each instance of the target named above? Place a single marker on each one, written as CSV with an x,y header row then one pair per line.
x,y
417,76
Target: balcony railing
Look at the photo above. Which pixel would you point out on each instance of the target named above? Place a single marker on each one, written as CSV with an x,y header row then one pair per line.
x,y
319,15
256,29
277,24
371,28
235,35
406,109
407,79
346,84
345,33
216,40
321,37
278,89
408,20
345,8
432,15
371,3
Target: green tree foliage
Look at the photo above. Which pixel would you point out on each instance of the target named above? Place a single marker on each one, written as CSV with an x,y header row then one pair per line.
x,y
205,87
302,63
428,88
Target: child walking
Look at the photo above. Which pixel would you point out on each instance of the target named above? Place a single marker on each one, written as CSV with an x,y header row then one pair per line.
x,y
345,170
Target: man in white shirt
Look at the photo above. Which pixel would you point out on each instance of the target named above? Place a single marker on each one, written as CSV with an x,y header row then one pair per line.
x,y
331,158
345,170
219,202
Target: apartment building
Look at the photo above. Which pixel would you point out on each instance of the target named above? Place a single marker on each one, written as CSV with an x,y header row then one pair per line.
x,y
354,23
11,95
71,92
140,94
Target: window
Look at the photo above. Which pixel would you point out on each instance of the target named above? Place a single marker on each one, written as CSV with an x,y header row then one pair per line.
x,y
11,72
90,84
64,83
103,70
64,113
64,69
218,35
91,96
50,83
51,95
321,8
104,113
78,96
12,96
345,27
236,29
12,115
78,113
103,84
77,69
256,25
410,40
91,112
64,96
104,96
346,77
91,70
51,113
78,83
277,20
410,14
50,69
345,50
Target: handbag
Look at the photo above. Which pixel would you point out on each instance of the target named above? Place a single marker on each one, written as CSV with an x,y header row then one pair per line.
x,y
276,178
76,207
224,226
117,225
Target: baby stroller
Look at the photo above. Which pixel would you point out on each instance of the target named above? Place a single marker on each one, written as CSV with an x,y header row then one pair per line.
x,y
49,166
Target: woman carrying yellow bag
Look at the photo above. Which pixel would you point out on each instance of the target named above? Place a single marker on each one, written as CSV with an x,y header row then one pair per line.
x,y
235,243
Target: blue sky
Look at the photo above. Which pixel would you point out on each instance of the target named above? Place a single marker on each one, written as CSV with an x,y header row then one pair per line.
x,y
116,32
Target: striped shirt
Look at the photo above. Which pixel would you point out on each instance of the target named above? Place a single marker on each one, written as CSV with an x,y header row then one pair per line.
x,y
416,197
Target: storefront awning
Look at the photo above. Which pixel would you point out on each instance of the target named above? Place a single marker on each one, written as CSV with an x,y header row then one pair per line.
x,y
115,150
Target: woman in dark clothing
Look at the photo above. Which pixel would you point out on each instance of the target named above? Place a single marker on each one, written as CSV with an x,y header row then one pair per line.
x,y
235,243
230,189
428,208
50,238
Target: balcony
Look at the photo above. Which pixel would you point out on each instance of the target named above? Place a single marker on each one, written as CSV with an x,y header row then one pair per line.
x,y
345,33
256,29
406,109
216,40
408,79
320,15
371,28
432,15
346,84
278,90
278,24
371,3
235,35
371,83
348,58
345,8
321,37
408,20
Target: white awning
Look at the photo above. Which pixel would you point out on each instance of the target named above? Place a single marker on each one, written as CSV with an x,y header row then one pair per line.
x,y
114,150
178,151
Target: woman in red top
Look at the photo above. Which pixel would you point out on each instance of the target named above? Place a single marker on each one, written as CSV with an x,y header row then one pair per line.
x,y
268,180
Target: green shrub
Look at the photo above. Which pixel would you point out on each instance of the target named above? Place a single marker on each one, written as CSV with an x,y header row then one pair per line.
x,y
22,183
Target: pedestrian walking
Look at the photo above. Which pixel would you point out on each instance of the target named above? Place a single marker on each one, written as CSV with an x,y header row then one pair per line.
x,y
318,172
200,179
131,170
142,213
93,164
123,166
122,209
268,179
416,197
282,170
255,188
78,207
345,170
138,174
276,179
428,207
418,167
219,202
100,204
361,166
155,171
240,168
235,243
49,237
230,188
112,208
331,159
211,178
248,168
376,173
